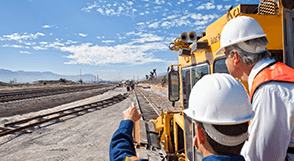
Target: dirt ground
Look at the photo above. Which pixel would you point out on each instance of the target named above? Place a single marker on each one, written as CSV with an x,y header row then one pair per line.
x,y
79,138
82,138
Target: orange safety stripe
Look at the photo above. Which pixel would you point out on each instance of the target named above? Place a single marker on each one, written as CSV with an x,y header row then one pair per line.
x,y
278,72
133,158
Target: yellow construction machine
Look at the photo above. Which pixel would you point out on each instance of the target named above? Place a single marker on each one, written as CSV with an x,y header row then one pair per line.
x,y
197,58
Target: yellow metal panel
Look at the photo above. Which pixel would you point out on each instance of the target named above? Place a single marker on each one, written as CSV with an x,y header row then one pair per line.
x,y
175,130
179,119
184,61
272,26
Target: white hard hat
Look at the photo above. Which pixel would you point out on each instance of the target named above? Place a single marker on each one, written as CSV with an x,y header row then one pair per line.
x,y
238,30
219,99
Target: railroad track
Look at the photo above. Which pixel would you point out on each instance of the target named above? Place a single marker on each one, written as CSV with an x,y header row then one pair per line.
x,y
24,125
6,96
148,109
145,135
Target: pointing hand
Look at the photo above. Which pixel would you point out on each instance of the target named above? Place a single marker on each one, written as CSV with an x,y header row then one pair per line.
x,y
132,113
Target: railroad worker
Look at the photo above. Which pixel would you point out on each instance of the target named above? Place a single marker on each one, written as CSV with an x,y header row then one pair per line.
x,y
271,90
221,115
121,145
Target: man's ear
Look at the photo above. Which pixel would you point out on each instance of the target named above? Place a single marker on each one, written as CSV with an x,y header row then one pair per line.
x,y
236,58
200,134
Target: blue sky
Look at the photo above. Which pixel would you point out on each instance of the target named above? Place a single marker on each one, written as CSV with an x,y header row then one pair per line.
x,y
115,39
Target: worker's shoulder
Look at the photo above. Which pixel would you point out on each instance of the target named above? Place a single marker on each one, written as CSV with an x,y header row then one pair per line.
x,y
284,90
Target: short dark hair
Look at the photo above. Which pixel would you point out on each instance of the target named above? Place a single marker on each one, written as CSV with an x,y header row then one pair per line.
x,y
230,130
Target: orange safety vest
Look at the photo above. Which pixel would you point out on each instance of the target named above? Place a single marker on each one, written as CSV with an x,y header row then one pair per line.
x,y
133,158
277,72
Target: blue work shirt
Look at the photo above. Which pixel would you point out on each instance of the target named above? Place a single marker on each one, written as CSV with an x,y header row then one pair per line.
x,y
121,145
224,158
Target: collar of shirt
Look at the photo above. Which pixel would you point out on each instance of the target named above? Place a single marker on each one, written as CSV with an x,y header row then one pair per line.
x,y
257,68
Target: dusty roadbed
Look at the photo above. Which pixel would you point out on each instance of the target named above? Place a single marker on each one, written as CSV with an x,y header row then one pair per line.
x,y
84,138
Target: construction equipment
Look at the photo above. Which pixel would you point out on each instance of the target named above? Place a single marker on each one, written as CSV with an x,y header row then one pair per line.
x,y
198,58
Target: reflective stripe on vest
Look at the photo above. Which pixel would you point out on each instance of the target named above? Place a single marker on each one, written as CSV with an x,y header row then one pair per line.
x,y
133,158
278,72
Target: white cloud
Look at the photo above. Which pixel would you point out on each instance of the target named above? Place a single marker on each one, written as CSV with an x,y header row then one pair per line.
x,y
130,3
116,9
200,7
146,37
107,41
131,33
141,23
43,43
39,48
167,24
13,46
87,9
219,7
125,53
159,1
58,44
138,51
70,42
20,37
100,10
157,7
154,25
48,26
178,20
208,6
83,35
24,52
55,45
170,17
120,37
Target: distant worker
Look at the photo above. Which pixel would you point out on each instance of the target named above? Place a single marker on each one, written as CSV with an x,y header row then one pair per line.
x,y
121,145
221,114
132,84
271,88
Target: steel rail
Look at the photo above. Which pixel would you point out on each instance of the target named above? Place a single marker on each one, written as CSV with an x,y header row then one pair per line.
x,y
71,111
26,94
154,108
139,106
145,134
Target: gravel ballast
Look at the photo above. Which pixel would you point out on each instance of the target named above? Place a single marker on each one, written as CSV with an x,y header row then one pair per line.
x,y
39,103
78,138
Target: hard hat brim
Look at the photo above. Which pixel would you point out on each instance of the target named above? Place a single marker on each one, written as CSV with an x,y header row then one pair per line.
x,y
222,48
189,113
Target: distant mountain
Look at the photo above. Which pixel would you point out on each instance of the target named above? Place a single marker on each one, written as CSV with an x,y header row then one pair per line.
x,y
29,77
